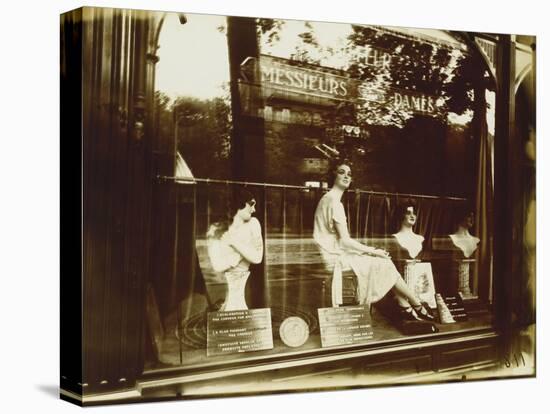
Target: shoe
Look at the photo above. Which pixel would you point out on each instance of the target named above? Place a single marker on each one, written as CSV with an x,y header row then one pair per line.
x,y
423,312
408,314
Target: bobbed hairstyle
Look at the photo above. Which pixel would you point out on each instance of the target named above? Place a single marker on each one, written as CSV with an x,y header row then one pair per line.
x,y
333,168
240,198
461,212
401,211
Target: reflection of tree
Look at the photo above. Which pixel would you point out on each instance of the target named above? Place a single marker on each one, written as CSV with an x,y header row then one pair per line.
x,y
270,28
433,154
413,66
164,124
468,81
308,49
400,148
417,66
204,127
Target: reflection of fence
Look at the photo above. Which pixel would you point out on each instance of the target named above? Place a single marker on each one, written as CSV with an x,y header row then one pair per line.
x,y
286,213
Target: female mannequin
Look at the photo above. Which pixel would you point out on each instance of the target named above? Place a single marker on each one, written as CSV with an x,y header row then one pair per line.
x,y
406,237
466,244
233,245
376,273
461,238
418,276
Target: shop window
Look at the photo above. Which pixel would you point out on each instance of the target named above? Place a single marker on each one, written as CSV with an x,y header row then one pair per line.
x,y
418,165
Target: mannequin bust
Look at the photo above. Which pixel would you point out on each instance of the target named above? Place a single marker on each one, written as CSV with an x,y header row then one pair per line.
x,y
417,274
406,237
464,242
234,245
462,239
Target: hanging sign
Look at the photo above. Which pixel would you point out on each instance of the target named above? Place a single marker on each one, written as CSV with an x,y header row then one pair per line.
x,y
291,79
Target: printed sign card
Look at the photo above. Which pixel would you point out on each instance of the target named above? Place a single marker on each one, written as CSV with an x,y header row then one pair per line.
x,y
347,325
239,331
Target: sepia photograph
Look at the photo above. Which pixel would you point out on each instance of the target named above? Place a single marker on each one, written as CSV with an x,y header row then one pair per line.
x,y
274,205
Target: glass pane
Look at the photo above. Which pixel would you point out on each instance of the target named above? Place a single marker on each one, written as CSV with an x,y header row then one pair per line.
x,y
412,114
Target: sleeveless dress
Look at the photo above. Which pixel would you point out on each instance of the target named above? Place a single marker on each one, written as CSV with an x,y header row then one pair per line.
x,y
375,275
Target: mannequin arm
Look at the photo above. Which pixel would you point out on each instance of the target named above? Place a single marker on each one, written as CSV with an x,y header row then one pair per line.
x,y
348,243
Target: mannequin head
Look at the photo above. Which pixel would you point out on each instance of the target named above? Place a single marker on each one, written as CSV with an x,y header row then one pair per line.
x,y
464,218
243,205
339,174
405,215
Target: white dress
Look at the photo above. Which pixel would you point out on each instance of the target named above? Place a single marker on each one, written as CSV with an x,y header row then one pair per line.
x,y
375,275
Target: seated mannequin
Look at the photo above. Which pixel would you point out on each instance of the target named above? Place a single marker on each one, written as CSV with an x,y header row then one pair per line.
x,y
376,273
233,245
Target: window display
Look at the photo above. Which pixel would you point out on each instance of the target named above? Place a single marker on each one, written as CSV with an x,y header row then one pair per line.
x,y
400,109
269,200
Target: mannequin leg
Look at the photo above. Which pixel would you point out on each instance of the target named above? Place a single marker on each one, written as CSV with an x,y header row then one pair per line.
x,y
405,297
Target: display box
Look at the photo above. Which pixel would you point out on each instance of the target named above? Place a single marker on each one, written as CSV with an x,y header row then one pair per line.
x,y
273,205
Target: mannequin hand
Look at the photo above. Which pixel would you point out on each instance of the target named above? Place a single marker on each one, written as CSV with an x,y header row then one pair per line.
x,y
380,253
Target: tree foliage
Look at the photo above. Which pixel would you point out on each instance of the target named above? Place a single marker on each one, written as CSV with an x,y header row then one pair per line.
x,y
203,131
204,128
384,63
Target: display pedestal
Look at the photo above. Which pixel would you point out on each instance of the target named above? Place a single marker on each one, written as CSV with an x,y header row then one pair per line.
x,y
463,269
236,283
419,278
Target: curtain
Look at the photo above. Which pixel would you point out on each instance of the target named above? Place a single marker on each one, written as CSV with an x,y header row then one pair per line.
x,y
484,208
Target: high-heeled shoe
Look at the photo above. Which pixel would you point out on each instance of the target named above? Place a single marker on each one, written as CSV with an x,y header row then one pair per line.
x,y
408,314
423,312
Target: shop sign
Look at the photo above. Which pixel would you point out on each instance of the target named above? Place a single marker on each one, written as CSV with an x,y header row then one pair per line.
x,y
290,77
401,99
418,103
296,77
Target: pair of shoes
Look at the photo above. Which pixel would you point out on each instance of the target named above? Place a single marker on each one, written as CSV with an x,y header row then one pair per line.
x,y
423,312
408,314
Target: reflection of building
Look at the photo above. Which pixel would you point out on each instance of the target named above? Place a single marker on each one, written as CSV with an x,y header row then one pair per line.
x,y
306,108
298,103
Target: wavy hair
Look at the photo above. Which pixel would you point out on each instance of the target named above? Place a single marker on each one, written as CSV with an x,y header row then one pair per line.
x,y
238,201
333,168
